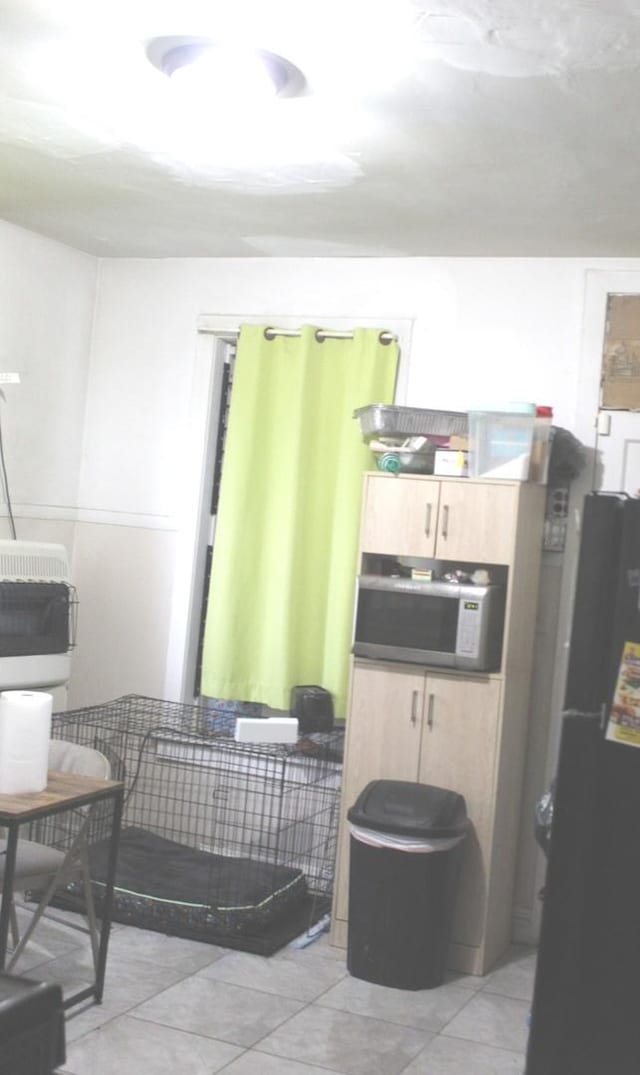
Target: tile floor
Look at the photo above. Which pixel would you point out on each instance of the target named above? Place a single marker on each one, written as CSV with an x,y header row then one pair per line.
x,y
174,1006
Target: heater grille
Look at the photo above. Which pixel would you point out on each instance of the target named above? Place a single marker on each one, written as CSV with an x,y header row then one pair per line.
x,y
33,561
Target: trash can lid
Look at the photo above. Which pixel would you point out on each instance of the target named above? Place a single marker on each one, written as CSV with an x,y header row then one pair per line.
x,y
410,809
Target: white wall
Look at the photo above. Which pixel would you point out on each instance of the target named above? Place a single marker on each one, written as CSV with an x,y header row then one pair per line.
x,y
482,329
47,295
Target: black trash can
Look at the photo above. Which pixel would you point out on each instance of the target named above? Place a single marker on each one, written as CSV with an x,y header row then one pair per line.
x,y
406,843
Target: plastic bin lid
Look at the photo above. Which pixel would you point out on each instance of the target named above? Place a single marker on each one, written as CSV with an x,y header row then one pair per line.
x,y
410,809
519,408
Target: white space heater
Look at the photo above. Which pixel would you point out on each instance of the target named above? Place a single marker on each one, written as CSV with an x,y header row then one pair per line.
x,y
37,603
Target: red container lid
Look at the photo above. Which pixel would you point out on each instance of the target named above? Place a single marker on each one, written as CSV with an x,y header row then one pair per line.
x,y
544,412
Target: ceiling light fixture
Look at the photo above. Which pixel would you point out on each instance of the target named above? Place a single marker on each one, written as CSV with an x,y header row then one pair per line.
x,y
213,66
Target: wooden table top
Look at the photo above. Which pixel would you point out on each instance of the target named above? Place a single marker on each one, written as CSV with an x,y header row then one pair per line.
x,y
63,789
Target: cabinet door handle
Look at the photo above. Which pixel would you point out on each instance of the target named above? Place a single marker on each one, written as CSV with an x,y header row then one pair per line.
x,y
445,521
430,710
414,706
427,521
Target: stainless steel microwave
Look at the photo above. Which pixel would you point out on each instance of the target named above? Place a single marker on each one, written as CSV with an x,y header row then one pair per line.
x,y
444,624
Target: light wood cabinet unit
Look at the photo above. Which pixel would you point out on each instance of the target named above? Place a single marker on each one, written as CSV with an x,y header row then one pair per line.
x,y
463,731
449,519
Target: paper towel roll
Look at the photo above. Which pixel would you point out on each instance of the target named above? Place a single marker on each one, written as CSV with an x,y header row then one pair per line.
x,y
25,730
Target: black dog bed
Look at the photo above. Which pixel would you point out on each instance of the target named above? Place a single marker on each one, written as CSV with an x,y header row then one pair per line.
x,y
171,888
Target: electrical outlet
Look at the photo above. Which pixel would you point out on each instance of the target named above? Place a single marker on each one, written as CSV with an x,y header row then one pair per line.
x,y
9,378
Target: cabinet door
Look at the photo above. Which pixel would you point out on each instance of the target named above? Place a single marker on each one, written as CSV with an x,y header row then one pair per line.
x,y
384,727
399,516
476,522
458,751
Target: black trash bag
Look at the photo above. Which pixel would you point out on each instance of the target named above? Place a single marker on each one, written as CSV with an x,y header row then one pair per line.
x,y
566,459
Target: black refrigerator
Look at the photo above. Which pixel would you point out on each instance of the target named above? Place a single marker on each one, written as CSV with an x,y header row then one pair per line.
x,y
585,1016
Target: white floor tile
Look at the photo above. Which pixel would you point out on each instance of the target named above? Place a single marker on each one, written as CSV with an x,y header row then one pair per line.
x,y
345,1043
300,980
128,981
423,1009
257,1063
492,1020
130,1047
450,1056
319,947
175,952
514,976
218,1010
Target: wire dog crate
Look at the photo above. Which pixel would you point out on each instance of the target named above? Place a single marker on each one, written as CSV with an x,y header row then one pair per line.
x,y
232,843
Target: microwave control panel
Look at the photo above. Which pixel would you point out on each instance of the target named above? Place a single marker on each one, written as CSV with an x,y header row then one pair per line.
x,y
469,635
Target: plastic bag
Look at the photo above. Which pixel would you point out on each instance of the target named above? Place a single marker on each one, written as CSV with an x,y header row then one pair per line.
x,y
414,844
544,818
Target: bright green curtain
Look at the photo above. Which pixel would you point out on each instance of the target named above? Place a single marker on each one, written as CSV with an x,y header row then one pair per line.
x,y
284,560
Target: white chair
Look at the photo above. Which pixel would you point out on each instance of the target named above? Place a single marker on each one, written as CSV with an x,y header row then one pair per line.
x,y
41,867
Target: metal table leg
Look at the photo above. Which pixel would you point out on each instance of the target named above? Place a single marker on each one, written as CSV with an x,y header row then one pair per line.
x,y
7,891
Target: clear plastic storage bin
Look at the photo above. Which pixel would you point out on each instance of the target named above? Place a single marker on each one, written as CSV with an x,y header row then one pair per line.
x,y
500,440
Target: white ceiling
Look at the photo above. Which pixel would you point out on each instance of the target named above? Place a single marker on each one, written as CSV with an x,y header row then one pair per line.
x,y
431,127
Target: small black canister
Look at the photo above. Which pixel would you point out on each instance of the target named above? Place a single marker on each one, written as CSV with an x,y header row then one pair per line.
x,y
312,706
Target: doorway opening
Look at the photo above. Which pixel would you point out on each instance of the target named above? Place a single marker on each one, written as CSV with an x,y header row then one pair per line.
x,y
218,353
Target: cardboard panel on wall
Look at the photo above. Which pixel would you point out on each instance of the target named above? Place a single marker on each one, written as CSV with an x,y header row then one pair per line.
x,y
620,381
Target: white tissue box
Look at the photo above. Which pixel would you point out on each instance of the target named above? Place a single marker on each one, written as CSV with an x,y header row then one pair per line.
x,y
266,730
451,464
